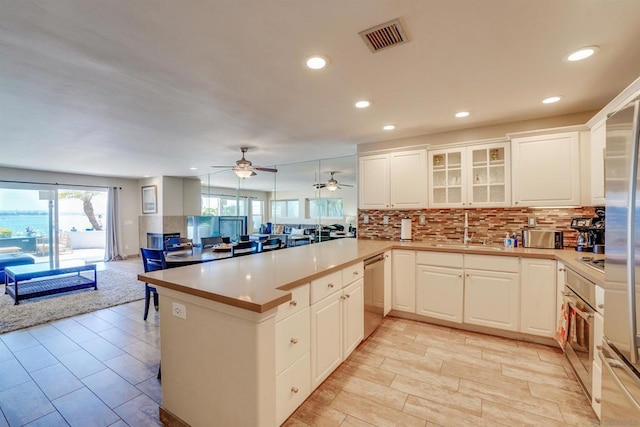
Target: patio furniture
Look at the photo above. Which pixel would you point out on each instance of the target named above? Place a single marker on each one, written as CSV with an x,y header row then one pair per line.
x,y
64,244
7,260
35,280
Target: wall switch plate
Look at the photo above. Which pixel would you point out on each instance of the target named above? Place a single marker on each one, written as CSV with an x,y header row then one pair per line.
x,y
365,219
423,219
385,220
179,310
531,221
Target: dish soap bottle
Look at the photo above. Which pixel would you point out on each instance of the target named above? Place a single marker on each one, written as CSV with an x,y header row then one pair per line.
x,y
508,243
514,237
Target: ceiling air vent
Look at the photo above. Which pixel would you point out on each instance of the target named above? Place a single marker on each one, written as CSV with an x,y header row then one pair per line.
x,y
384,35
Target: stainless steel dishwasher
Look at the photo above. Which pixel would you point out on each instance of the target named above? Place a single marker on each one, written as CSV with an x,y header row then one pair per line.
x,y
373,293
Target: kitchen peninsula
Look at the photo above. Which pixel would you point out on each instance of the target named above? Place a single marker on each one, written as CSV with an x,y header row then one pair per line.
x,y
238,335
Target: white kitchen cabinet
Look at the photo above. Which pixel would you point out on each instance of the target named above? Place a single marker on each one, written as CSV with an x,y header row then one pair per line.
x,y
596,388
337,324
561,280
440,285
492,291
477,176
293,386
598,144
404,281
393,181
538,297
388,280
546,170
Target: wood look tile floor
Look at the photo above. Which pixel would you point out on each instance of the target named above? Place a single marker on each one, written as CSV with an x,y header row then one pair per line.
x,y
415,374
99,369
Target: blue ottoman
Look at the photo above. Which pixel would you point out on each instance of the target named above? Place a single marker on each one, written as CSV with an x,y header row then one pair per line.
x,y
7,260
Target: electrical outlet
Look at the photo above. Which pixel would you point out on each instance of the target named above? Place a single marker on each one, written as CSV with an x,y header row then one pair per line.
x,y
365,219
531,221
179,310
423,219
385,220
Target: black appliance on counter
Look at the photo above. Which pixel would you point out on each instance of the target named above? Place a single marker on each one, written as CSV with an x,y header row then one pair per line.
x,y
591,232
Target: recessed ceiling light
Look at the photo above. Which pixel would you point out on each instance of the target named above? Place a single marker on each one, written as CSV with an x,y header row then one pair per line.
x,y
462,114
193,169
582,53
146,176
551,99
389,127
316,62
362,104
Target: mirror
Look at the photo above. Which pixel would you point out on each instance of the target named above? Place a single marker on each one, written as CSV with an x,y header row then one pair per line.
x,y
299,196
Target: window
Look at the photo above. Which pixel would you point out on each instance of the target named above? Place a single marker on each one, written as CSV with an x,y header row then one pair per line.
x,y
285,208
223,205
327,208
256,214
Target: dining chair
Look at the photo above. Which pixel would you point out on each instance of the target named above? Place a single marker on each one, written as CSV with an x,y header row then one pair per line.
x,y
271,244
244,248
244,238
178,244
226,240
209,242
152,260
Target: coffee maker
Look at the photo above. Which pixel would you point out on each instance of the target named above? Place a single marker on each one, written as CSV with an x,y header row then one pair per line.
x,y
590,232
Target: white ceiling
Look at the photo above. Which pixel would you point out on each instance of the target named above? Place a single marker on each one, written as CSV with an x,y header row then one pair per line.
x,y
133,87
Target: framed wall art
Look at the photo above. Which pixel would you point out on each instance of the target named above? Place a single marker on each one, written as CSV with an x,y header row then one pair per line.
x,y
150,199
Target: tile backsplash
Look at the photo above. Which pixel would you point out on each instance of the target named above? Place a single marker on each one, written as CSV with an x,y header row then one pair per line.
x,y
485,223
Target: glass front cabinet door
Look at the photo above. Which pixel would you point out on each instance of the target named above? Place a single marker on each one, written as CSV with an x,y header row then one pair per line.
x,y
473,176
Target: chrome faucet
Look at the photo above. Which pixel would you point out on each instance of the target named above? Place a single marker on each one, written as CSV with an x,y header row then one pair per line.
x,y
466,239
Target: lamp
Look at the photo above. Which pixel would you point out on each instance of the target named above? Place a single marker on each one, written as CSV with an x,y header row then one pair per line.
x,y
243,173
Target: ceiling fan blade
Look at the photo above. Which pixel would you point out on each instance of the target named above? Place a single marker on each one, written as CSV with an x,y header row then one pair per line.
x,y
346,185
258,168
228,167
318,186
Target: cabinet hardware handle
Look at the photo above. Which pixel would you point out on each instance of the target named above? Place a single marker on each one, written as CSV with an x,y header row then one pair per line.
x,y
330,285
517,203
294,340
460,275
467,274
599,347
561,269
601,305
294,389
347,296
597,399
293,303
342,297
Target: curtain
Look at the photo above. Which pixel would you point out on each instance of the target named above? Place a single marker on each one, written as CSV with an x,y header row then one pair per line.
x,y
113,250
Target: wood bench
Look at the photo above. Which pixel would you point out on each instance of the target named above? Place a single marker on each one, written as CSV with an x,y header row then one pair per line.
x,y
30,281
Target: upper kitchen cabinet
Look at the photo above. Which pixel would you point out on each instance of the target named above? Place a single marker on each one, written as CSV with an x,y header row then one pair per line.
x,y
546,170
393,181
477,176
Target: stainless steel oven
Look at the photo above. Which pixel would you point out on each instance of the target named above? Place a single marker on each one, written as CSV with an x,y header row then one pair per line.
x,y
580,298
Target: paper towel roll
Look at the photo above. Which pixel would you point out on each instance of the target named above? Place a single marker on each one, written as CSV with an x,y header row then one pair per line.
x,y
405,229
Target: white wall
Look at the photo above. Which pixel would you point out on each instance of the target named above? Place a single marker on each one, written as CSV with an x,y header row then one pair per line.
x,y
130,195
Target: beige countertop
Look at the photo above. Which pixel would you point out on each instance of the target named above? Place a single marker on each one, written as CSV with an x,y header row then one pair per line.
x,y
261,282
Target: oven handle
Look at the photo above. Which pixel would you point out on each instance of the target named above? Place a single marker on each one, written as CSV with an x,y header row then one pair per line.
x,y
609,364
585,316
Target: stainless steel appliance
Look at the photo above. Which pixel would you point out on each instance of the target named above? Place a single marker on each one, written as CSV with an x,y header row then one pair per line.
x,y
591,232
619,354
580,295
373,293
543,239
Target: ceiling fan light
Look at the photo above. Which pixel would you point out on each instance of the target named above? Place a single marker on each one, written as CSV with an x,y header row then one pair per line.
x,y
243,173
331,187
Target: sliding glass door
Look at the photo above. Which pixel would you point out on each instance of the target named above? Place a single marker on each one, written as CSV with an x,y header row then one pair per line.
x,y
53,223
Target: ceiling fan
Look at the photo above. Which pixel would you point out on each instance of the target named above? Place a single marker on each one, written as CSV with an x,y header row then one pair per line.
x,y
332,184
244,168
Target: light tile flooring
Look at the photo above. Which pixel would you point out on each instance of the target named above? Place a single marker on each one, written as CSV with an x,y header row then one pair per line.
x,y
99,369
414,374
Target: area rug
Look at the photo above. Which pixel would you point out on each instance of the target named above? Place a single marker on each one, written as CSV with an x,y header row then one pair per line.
x,y
114,288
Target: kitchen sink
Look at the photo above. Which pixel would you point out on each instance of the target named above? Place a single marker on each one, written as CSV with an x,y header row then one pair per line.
x,y
462,246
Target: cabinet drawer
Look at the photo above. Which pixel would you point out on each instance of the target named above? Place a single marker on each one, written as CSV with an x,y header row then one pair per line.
x,y
352,273
325,286
492,262
440,259
292,388
299,301
292,339
600,300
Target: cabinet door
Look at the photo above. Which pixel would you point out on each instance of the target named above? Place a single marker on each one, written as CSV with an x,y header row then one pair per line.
x,y
448,178
492,299
490,178
596,388
538,297
560,281
352,317
440,292
387,282
408,180
404,281
546,170
373,183
598,144
326,337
